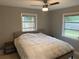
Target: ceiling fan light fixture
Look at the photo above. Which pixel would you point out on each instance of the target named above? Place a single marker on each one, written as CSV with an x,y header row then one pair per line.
x,y
45,8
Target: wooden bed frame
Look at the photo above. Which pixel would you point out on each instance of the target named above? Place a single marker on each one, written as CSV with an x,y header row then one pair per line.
x,y
65,56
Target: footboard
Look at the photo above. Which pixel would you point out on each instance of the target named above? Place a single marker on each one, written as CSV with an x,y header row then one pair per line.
x,y
67,55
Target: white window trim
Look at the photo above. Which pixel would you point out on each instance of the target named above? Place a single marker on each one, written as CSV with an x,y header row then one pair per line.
x,y
72,13
30,14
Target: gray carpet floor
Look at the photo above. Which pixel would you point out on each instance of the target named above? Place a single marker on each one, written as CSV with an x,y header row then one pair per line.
x,y
9,56
15,56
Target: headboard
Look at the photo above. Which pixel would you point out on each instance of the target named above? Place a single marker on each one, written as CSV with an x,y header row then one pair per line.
x,y
18,33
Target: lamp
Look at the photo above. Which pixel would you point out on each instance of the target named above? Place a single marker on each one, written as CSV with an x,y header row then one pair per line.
x,y
45,8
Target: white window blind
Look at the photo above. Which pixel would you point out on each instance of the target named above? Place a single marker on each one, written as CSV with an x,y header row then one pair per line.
x,y
71,26
28,22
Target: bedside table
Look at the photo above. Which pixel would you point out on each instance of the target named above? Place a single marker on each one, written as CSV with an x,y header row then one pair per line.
x,y
9,47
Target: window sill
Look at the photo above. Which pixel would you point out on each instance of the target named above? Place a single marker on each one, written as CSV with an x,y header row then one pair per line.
x,y
70,37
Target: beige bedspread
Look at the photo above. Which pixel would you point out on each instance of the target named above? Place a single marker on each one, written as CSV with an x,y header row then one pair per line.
x,y
40,46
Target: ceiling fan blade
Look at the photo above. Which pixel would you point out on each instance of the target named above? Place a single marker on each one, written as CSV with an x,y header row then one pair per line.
x,y
54,3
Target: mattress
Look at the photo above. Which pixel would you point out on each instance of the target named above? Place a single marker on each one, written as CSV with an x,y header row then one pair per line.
x,y
40,46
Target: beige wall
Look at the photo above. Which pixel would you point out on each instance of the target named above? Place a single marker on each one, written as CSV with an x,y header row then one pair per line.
x,y
56,24
10,21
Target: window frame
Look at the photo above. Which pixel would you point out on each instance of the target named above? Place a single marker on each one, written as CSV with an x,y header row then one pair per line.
x,y
72,13
29,14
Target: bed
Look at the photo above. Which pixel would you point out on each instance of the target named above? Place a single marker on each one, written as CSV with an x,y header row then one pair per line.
x,y
41,46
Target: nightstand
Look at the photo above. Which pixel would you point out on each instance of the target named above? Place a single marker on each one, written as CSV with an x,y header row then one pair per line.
x,y
9,47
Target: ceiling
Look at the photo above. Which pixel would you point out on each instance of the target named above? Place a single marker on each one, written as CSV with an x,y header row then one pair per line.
x,y
31,3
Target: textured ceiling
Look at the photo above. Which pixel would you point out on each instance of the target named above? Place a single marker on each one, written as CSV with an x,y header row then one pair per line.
x,y
31,3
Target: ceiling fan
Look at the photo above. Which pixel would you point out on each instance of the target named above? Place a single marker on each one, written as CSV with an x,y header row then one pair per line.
x,y
46,4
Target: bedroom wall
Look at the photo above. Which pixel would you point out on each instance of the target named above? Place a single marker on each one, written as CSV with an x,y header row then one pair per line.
x,y
10,21
56,25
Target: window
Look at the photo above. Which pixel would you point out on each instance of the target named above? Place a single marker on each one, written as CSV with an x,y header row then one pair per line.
x,y
71,26
28,22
